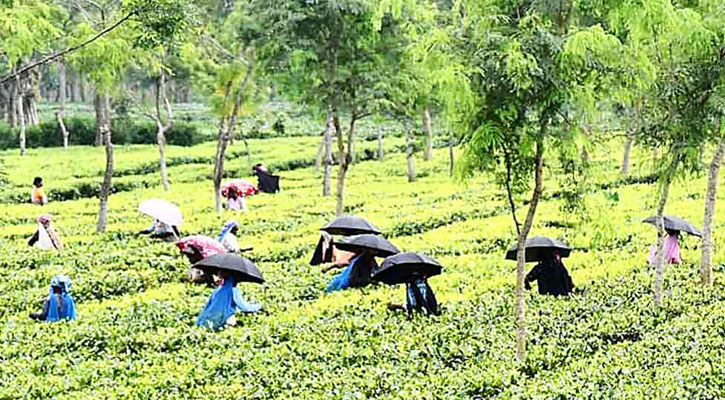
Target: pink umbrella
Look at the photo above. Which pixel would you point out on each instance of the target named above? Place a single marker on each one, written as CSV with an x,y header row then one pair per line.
x,y
241,186
205,245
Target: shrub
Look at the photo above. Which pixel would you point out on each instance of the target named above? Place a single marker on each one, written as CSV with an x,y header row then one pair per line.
x,y
82,131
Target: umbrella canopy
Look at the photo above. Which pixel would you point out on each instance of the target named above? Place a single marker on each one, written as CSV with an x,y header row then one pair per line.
x,y
243,269
205,245
347,226
539,248
241,186
376,245
162,210
673,223
404,267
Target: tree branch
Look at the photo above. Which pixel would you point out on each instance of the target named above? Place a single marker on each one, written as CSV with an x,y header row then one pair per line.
x,y
71,49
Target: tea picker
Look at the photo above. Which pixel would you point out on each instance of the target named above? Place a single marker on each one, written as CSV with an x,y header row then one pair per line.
x,y
197,248
364,248
266,182
550,274
413,270
59,305
45,237
342,226
226,300
673,227
236,191
228,237
167,219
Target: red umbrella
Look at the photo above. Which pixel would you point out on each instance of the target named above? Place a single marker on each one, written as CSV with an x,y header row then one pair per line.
x,y
241,186
205,245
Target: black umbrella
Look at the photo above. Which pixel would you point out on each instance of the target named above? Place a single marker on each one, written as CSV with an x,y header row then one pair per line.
x,y
539,248
347,226
404,267
242,269
376,245
673,223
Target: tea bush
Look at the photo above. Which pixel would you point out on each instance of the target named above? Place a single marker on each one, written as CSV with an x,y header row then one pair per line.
x,y
136,337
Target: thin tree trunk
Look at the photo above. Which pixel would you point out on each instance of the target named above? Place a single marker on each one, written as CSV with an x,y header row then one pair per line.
x,y
627,151
163,125
381,149
662,235
61,100
100,110
327,161
105,127
344,162
450,155
227,125
351,145
523,232
81,88
73,87
21,114
428,129
409,152
710,199
13,102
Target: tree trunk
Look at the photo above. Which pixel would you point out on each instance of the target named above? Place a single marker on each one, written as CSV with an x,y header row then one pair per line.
x,y
162,125
710,199
351,146
627,151
61,102
450,155
105,128
21,114
409,153
73,87
662,235
327,161
100,111
381,149
344,162
219,161
428,129
227,125
523,232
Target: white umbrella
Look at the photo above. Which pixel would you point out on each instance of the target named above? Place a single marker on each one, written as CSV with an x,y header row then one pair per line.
x,y
163,211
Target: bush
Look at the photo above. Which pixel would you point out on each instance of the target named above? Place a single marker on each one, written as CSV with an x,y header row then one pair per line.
x,y
83,132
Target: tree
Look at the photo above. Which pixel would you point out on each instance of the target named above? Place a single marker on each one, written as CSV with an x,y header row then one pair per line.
x,y
715,21
328,55
233,49
509,76
686,57
104,62
25,27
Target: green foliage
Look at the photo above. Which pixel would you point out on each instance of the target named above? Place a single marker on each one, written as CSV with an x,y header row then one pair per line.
x,y
82,131
136,312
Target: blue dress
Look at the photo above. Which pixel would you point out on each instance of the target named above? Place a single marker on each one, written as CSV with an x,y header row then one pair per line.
x,y
223,303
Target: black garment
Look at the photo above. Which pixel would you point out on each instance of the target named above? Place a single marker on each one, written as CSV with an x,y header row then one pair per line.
x,y
362,270
42,316
319,258
267,182
420,296
34,238
551,277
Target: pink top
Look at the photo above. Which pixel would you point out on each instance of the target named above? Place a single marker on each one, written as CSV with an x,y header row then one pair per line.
x,y
672,251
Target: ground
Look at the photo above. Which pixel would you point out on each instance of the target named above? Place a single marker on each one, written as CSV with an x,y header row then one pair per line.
x,y
136,338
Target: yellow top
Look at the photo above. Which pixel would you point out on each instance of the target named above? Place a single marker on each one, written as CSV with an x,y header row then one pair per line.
x,y
38,195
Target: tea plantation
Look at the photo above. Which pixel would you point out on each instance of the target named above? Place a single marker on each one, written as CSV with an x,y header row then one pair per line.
x,y
136,337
